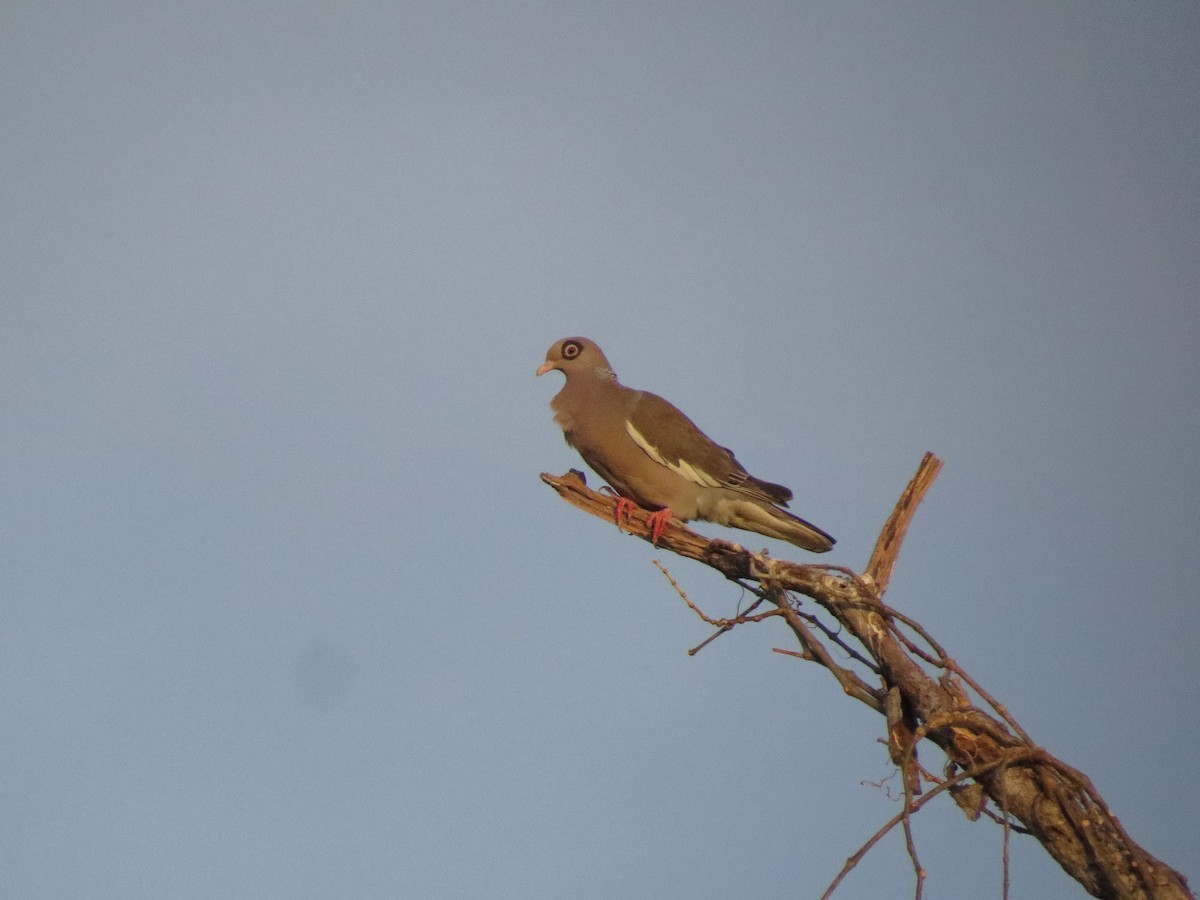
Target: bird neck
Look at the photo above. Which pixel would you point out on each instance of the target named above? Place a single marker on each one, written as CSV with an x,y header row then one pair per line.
x,y
580,392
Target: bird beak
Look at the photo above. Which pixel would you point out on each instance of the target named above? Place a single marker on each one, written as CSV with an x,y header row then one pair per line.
x,y
544,368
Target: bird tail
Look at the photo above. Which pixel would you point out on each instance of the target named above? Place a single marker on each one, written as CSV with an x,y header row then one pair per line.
x,y
777,523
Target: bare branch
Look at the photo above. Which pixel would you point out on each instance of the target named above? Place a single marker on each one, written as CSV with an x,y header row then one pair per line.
x,y
887,548
722,624
948,784
1054,803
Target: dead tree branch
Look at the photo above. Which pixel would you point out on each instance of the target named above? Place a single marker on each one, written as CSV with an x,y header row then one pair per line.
x,y
905,675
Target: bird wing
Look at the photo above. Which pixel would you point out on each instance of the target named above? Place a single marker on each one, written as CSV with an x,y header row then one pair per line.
x,y
671,439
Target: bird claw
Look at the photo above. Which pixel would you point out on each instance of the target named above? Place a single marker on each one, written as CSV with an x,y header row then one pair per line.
x,y
657,521
622,510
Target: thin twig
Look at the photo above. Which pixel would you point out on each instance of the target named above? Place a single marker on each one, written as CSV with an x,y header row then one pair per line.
x,y
720,631
907,761
722,624
1007,874
991,701
975,772
921,632
943,661
837,638
851,683
911,846
909,778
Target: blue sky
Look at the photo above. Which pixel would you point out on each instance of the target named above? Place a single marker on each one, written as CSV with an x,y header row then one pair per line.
x,y
287,611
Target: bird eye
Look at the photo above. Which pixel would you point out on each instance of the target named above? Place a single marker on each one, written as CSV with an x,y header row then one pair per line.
x,y
571,349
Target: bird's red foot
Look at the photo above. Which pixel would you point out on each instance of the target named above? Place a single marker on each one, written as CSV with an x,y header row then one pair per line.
x,y
657,521
622,510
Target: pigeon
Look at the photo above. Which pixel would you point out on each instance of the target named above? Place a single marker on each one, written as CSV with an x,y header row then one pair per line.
x,y
653,455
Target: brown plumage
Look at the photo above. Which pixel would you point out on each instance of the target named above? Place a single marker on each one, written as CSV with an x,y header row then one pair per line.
x,y
651,453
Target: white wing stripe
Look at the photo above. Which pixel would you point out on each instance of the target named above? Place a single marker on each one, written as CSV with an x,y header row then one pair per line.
x,y
684,469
